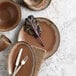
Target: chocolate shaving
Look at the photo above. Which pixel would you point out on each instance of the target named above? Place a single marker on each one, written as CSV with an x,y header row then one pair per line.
x,y
32,27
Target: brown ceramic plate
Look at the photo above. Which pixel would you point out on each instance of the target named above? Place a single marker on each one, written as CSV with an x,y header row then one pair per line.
x,y
50,36
10,15
37,4
28,68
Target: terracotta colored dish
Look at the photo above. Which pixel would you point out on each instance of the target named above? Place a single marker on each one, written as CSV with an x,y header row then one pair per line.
x,y
37,4
10,15
4,42
28,68
50,36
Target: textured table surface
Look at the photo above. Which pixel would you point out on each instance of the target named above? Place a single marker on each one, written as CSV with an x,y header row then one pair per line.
x,y
63,62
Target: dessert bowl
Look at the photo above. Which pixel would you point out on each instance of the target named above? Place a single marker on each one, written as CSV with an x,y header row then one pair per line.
x,y
10,15
37,4
4,42
49,35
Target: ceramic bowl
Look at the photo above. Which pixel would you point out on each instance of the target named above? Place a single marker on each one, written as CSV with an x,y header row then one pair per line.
x,y
4,42
10,15
37,4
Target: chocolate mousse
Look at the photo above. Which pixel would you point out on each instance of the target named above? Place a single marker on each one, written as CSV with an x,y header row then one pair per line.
x,y
49,35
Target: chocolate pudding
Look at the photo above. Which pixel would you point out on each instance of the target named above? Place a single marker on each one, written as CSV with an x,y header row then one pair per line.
x,y
49,35
9,15
28,68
